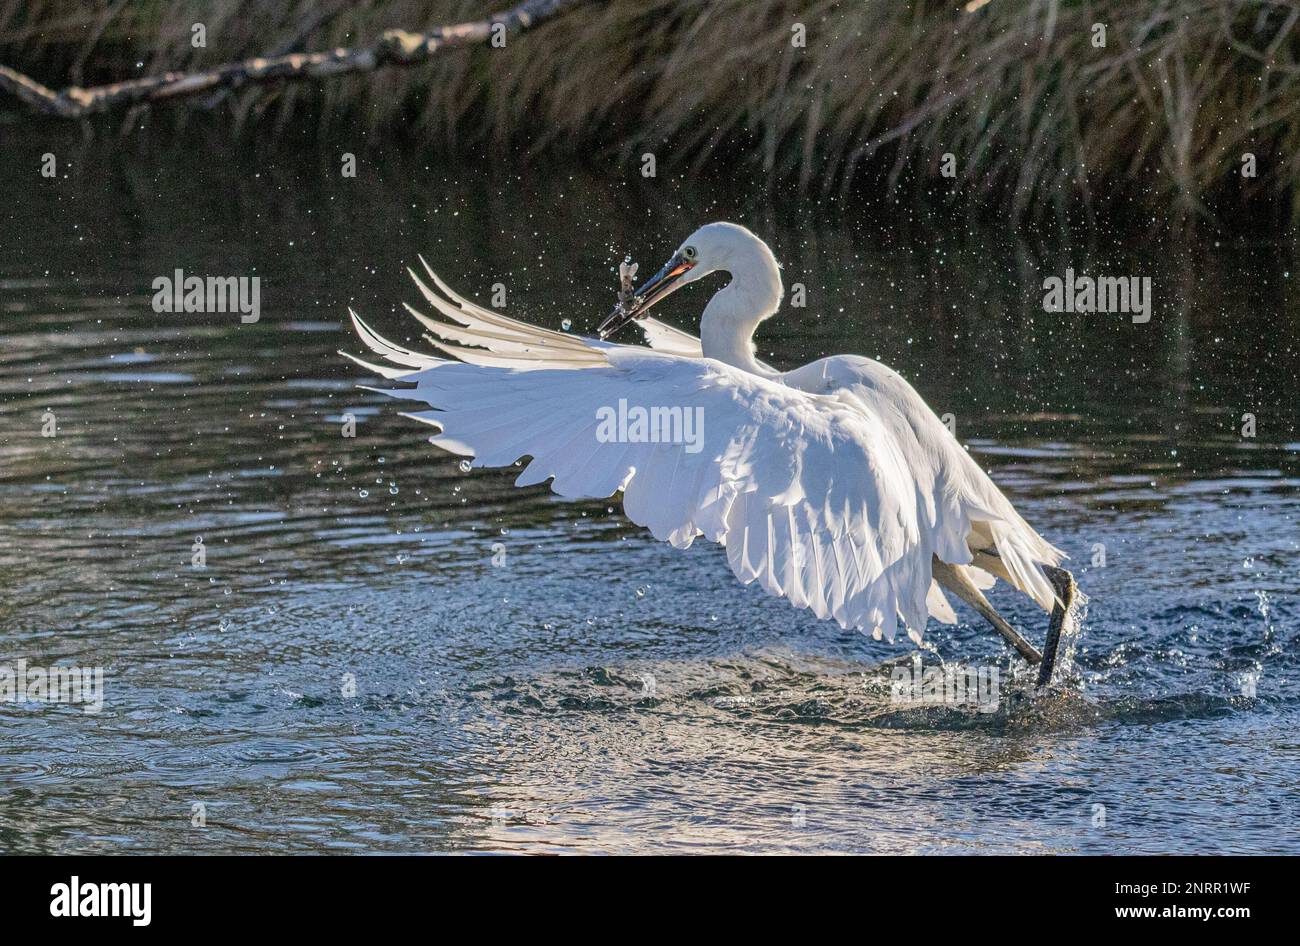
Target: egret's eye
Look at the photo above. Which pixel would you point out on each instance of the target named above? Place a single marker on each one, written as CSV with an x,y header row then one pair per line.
x,y
689,252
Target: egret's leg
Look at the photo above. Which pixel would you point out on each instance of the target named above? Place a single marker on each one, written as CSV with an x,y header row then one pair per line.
x,y
1063,582
959,584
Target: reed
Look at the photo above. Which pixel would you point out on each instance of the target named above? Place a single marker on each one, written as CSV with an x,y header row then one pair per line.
x,y
1038,119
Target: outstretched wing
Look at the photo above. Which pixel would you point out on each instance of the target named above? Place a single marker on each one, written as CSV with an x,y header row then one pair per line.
x,y
481,336
813,498
945,471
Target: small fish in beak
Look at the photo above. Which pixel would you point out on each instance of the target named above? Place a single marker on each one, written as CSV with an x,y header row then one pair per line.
x,y
626,286
657,287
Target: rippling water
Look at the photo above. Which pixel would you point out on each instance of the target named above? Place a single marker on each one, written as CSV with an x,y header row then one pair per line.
x,y
350,671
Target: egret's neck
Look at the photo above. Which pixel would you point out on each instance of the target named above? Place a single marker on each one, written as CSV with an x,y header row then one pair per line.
x,y
729,320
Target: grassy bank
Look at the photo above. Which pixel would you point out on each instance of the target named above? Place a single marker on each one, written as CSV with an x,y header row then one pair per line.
x,y
1036,116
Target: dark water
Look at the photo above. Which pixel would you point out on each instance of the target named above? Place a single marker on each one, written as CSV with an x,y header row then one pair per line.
x,y
600,691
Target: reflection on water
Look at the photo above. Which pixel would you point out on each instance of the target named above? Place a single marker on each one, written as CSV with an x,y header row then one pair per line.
x,y
351,672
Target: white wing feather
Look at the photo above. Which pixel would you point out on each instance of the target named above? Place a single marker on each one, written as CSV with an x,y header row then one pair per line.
x,y
832,489
502,342
787,484
943,472
663,337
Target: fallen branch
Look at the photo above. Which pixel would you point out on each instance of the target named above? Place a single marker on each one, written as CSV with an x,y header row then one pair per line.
x,y
394,48
321,19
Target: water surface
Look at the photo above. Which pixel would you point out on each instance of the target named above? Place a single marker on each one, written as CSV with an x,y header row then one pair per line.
x,y
351,672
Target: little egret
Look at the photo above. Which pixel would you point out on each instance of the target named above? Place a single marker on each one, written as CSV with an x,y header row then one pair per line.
x,y
833,485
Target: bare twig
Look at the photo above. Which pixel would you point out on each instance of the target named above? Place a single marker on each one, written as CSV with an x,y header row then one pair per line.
x,y
394,48
322,19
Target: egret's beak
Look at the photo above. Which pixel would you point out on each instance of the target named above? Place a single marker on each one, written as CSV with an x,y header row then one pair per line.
x,y
661,284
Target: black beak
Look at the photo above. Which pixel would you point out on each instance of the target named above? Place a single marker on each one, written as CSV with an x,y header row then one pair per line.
x,y
659,285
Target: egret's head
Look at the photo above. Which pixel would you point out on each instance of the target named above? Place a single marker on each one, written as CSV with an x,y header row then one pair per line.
x,y
713,247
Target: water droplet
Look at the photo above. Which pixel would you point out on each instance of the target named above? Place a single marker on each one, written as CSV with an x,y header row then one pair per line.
x,y
566,324
364,493
465,466
640,592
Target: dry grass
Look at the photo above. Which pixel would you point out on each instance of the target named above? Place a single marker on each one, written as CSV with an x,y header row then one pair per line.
x,y
1038,119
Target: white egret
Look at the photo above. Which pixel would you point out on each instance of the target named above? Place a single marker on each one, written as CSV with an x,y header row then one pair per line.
x,y
833,485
